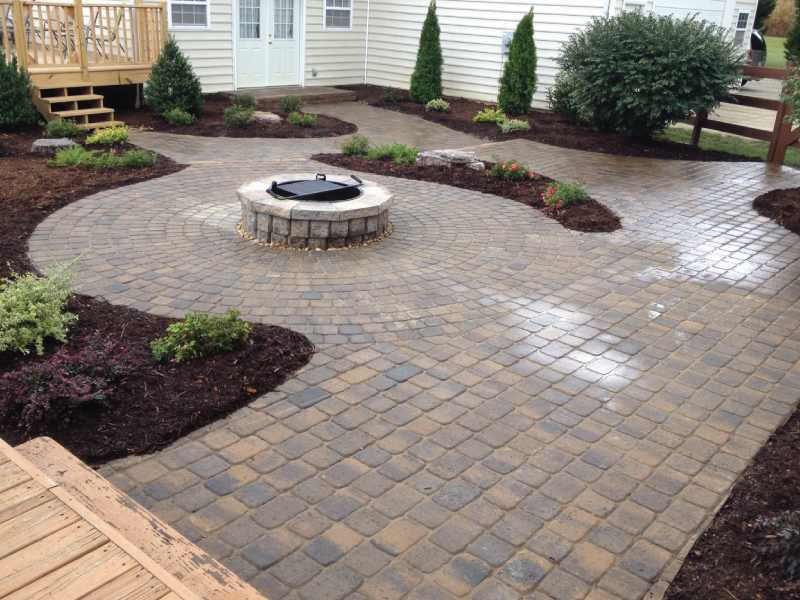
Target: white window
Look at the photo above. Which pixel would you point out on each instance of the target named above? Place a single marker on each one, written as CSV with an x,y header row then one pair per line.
x,y
338,14
188,13
634,5
741,27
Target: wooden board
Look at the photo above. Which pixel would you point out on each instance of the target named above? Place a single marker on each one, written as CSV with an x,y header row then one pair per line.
x,y
34,525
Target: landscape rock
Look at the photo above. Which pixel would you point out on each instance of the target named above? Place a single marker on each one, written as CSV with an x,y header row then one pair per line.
x,y
266,116
50,146
447,158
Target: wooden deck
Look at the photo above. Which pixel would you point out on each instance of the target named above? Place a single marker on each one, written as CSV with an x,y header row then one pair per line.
x,y
52,546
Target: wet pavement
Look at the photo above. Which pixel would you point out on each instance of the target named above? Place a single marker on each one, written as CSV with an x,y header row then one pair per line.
x,y
499,408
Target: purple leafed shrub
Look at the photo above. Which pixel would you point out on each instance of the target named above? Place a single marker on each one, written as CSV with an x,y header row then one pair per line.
x,y
51,390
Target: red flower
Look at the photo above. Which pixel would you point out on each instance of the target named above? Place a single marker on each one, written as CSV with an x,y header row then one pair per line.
x,y
514,167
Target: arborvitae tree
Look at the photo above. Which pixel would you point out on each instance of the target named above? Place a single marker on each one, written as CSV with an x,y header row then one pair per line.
x,y
519,73
791,48
426,81
172,82
763,11
16,107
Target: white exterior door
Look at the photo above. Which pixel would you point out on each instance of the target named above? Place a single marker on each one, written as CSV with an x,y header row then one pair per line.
x,y
267,45
251,47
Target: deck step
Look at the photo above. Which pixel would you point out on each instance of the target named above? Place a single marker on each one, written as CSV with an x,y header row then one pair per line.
x,y
77,98
68,114
75,101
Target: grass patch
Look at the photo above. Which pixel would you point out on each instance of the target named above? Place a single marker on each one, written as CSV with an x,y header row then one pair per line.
x,y
711,140
775,58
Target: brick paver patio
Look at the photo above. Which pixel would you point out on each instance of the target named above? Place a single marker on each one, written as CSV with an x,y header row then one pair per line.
x,y
498,408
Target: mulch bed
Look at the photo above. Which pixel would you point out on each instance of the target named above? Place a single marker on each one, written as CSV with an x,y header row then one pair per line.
x,y
782,206
161,401
211,123
725,563
587,216
546,128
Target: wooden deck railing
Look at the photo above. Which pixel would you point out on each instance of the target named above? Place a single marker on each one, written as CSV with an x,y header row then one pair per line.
x,y
55,34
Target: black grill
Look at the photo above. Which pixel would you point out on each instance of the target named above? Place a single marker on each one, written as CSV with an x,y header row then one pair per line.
x,y
315,190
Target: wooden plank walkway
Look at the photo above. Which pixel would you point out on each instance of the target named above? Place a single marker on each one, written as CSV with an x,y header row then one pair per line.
x,y
51,546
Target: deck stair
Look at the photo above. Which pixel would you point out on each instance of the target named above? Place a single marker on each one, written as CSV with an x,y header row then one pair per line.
x,y
77,102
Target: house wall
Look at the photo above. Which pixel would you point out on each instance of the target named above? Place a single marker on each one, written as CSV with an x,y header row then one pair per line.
x,y
337,55
210,50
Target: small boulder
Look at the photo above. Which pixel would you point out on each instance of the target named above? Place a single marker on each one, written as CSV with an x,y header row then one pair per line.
x,y
267,117
447,158
51,146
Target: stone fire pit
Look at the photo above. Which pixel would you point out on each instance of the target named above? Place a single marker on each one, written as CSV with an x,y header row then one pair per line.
x,y
310,224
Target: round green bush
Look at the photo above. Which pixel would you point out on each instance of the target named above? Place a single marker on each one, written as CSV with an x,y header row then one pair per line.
x,y
172,83
638,73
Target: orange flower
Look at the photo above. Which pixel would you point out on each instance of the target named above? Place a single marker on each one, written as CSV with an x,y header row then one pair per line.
x,y
514,167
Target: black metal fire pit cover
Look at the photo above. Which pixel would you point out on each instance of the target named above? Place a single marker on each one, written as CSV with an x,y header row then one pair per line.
x,y
319,189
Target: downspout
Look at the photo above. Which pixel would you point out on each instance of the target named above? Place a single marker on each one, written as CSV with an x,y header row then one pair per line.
x,y
366,45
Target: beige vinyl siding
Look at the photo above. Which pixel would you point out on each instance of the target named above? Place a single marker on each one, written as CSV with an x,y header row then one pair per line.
x,y
472,32
210,50
338,55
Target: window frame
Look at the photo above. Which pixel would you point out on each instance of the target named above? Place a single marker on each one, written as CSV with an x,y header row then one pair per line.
x,y
326,8
637,5
205,3
744,29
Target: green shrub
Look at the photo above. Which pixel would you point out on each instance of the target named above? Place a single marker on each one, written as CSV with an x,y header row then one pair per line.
x,y
783,539
426,80
16,107
511,170
63,128
561,194
437,105
513,125
791,96
237,117
138,159
518,81
490,115
357,145
290,104
400,153
109,136
559,99
176,117
639,73
791,47
32,308
172,83
390,95
245,101
77,155
74,155
301,119
201,334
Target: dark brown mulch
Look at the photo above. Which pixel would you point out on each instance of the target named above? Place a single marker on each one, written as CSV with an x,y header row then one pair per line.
x,y
160,401
210,122
782,206
587,216
725,562
546,128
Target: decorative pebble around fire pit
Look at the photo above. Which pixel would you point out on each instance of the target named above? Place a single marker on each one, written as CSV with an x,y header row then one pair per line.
x,y
313,224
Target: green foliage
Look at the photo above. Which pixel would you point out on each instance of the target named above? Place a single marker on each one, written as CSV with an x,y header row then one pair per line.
x,y
400,153
301,119
437,105
32,307
561,194
63,128
791,96
201,334
513,125
783,539
511,170
638,73
237,117
356,145
177,118
791,47
138,159
77,155
490,115
172,82
426,80
390,95
245,101
763,11
109,136
558,99
16,107
74,155
518,81
290,104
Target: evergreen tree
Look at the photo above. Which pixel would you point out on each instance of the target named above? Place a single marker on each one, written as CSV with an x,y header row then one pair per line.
x,y
426,81
519,73
763,11
791,48
172,82
16,107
